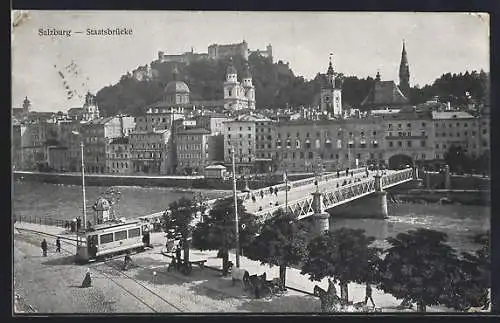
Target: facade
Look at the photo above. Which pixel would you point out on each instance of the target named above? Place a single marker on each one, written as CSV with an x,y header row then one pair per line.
x,y
151,152
118,155
238,96
89,111
215,172
192,151
409,134
186,58
265,150
212,123
314,146
331,94
239,135
58,158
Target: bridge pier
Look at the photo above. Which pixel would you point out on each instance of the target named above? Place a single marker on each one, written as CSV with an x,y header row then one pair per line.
x,y
321,218
418,182
380,200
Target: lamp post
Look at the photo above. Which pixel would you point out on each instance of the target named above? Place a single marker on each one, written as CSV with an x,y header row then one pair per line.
x,y
83,184
236,220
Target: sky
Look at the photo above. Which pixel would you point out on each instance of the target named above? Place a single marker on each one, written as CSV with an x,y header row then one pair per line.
x,y
361,43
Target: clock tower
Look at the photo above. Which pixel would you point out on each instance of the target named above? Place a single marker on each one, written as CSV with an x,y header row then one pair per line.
x,y
331,94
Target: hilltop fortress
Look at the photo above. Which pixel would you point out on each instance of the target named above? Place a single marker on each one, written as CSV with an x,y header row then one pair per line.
x,y
216,51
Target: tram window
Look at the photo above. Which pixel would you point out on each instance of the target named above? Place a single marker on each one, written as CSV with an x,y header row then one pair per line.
x,y
120,235
134,232
106,238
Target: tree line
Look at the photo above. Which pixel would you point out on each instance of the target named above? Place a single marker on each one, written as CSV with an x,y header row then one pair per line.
x,y
276,86
418,267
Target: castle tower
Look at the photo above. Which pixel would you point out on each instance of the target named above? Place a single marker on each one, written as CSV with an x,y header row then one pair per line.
x,y
404,73
26,105
331,93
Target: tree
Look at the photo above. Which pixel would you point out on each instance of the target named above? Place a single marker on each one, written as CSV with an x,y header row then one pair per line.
x,y
180,217
218,232
282,242
344,255
471,282
419,266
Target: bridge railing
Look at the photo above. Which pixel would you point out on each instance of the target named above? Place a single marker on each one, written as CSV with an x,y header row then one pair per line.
x,y
397,177
42,220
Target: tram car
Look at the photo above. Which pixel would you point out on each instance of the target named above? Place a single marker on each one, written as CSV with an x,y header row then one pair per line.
x,y
109,239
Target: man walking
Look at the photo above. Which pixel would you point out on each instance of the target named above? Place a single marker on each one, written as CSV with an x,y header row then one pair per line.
x,y
58,245
369,294
44,248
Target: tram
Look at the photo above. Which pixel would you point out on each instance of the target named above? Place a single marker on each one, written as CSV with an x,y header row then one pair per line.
x,y
112,238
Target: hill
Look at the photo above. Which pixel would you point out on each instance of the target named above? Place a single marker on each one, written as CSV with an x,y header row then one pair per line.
x,y
276,86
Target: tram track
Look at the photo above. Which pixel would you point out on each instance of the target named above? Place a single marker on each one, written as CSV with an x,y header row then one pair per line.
x,y
94,266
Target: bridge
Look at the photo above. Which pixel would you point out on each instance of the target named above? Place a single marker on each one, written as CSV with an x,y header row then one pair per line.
x,y
330,192
304,198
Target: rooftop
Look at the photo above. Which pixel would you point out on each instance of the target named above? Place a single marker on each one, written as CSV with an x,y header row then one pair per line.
x,y
101,121
120,141
384,93
201,131
451,115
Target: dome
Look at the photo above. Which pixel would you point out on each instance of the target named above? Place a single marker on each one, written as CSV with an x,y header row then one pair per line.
x,y
176,87
102,205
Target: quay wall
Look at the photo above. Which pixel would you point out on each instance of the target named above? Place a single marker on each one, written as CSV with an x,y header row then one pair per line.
x,y
199,182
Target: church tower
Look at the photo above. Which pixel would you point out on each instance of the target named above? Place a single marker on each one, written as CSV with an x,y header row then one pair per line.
x,y
231,87
404,73
26,105
331,93
91,111
249,88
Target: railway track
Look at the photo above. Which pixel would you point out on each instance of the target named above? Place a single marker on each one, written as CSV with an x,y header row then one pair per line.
x,y
95,266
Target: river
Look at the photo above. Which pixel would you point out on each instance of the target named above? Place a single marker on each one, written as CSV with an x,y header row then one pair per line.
x,y
460,222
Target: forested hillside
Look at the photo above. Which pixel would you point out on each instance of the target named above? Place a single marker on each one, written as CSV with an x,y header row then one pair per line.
x,y
276,86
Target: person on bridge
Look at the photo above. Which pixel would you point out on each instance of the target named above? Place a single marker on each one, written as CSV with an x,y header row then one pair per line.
x,y
58,245
271,190
276,191
261,194
338,174
347,172
253,198
44,247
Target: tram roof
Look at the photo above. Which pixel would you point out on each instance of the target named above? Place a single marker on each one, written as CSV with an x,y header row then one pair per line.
x,y
112,225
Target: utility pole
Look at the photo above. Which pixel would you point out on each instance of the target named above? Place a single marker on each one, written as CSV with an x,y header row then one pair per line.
x,y
83,190
236,220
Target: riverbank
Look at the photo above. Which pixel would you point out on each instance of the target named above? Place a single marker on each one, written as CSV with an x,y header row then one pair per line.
x,y
182,182
52,283
465,197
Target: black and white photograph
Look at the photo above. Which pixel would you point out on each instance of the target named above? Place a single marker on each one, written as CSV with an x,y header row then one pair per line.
x,y
250,162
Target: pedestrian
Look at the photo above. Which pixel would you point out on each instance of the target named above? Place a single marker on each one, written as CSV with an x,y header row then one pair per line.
x,y
58,245
276,191
271,190
352,173
368,295
261,194
337,184
87,281
316,182
253,198
338,174
44,248
347,172
78,223
178,256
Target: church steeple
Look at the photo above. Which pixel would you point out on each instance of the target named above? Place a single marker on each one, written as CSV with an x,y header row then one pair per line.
x,y
404,72
26,104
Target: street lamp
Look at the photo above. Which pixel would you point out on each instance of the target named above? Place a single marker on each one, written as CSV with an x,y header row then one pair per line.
x,y
236,220
83,183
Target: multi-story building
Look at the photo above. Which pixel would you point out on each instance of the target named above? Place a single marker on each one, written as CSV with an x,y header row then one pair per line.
x,y
305,145
459,129
212,122
151,152
239,135
97,134
118,156
89,111
265,150
409,137
192,151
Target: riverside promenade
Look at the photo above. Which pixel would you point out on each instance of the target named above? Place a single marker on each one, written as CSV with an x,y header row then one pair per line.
x,y
49,284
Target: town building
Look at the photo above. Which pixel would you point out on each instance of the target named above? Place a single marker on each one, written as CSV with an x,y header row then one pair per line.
x,y
265,150
118,156
216,51
185,58
192,151
238,96
239,135
151,152
384,95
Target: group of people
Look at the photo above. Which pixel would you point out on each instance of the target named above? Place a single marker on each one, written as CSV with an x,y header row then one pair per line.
x,y
44,246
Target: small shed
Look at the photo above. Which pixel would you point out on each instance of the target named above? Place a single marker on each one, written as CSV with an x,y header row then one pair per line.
x,y
215,171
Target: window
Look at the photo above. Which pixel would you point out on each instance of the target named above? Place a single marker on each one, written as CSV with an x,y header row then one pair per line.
x,y
374,133
391,144
465,125
423,156
301,155
121,235
297,135
437,156
399,125
249,135
229,128
422,143
437,145
409,143
336,156
241,128
400,144
390,126
408,125
249,128
423,124
317,134
310,155
106,238
358,156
